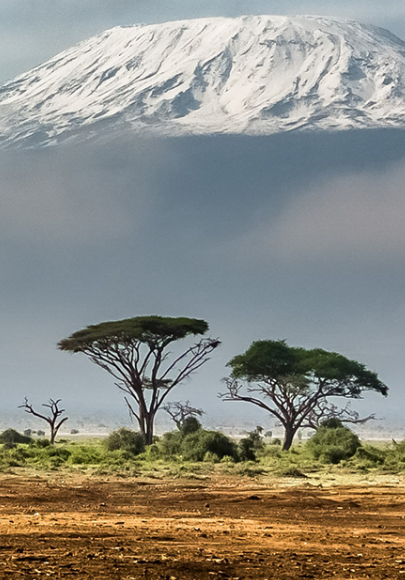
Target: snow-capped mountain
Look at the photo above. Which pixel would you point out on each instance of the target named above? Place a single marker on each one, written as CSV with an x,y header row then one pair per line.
x,y
253,75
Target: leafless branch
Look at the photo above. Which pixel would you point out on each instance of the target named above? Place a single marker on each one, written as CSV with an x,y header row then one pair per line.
x,y
179,412
52,420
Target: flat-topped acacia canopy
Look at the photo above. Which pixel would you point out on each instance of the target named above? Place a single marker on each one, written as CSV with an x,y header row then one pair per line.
x,y
146,329
271,360
134,352
295,384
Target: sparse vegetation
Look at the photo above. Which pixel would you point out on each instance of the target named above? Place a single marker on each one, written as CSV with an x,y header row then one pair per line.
x,y
125,440
333,442
194,451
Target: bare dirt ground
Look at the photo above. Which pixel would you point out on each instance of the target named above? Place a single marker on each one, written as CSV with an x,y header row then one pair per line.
x,y
214,528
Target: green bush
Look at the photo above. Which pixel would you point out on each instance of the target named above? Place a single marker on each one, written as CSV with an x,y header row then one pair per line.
x,y
126,440
370,454
333,444
85,455
195,445
10,438
291,472
210,457
40,443
332,423
190,425
250,446
170,443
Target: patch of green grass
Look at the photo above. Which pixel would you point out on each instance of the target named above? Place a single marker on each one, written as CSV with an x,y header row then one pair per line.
x,y
200,454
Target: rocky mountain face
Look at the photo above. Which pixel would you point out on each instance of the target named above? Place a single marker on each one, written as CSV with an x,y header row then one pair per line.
x,y
253,75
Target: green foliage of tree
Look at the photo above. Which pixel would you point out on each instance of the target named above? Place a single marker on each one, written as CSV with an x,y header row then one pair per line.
x,y
293,384
134,351
332,444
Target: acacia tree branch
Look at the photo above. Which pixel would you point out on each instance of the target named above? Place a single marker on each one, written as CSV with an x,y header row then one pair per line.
x,y
133,351
233,394
179,412
325,411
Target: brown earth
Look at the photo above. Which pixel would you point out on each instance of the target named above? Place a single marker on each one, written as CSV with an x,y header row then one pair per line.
x,y
214,528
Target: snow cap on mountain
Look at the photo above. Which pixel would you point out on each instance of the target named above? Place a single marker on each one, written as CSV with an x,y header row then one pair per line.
x,y
254,75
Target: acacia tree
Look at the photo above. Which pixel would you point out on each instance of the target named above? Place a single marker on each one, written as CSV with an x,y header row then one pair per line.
x,y
295,384
53,420
135,352
179,412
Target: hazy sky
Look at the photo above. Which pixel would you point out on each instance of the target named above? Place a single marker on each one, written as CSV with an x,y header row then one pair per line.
x,y
295,237
33,31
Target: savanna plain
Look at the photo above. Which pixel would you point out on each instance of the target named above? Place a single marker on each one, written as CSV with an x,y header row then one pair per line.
x,y
79,509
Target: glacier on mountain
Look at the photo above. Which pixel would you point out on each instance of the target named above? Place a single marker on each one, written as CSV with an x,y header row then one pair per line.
x,y
252,75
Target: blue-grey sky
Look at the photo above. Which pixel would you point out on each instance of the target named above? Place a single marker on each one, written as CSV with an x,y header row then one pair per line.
x,y
33,31
293,236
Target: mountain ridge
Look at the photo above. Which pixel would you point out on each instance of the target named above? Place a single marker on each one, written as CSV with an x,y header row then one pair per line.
x,y
251,75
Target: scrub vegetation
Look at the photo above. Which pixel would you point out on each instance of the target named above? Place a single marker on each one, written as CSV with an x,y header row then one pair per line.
x,y
193,451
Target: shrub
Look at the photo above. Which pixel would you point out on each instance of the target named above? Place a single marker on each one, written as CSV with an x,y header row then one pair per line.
x,y
210,457
372,454
250,446
152,452
332,423
40,443
333,444
291,472
195,445
85,455
170,443
10,438
190,425
126,440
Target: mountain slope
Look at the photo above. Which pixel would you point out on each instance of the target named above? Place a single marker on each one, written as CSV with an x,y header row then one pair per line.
x,y
254,75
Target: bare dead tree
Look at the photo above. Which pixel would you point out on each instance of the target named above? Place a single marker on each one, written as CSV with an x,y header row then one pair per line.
x,y
179,412
52,420
324,411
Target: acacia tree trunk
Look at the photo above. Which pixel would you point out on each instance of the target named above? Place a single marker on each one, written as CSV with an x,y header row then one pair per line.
x,y
289,433
146,421
149,429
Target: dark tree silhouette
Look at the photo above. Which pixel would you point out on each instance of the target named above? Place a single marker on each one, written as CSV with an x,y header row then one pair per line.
x,y
325,411
179,412
135,352
295,384
52,420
